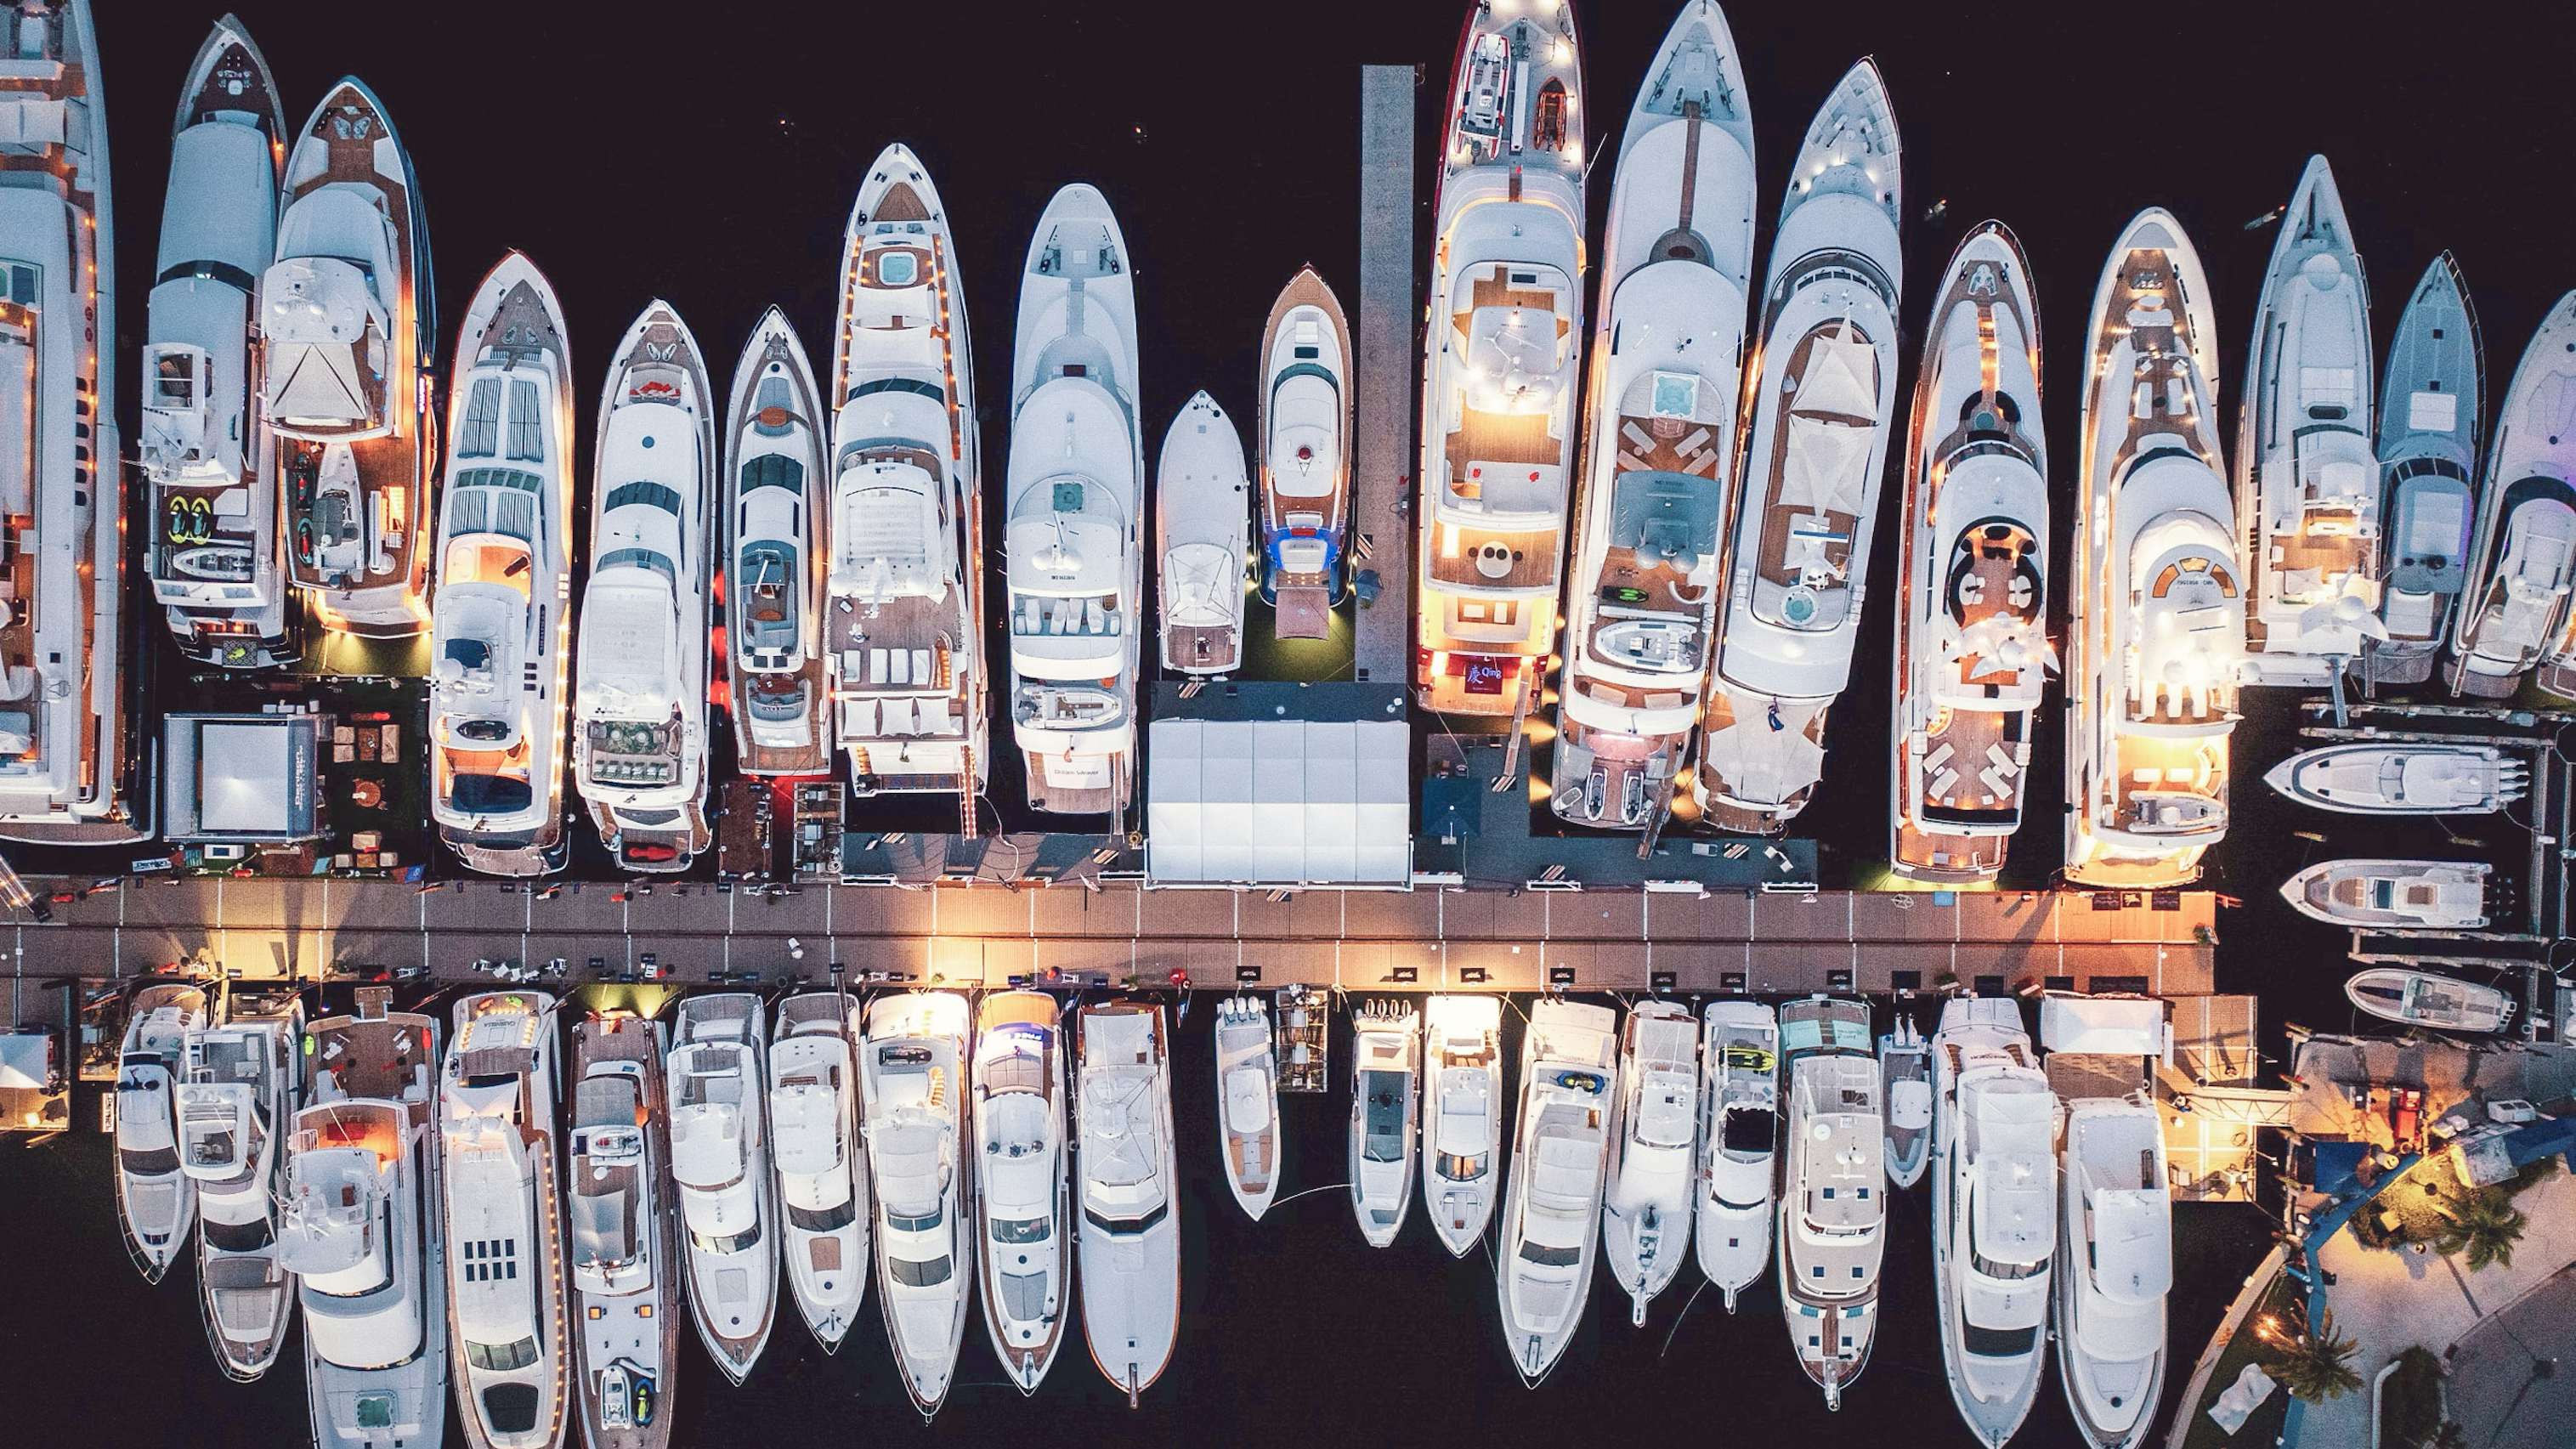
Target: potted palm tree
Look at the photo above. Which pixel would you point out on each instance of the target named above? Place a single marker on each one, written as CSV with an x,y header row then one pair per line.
x,y
2482,1227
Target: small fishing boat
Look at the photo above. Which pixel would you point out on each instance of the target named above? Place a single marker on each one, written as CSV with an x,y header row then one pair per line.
x,y
1905,1082
2392,895
2421,998
1247,1076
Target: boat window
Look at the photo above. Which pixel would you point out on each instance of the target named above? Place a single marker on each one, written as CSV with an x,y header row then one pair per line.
x,y
148,1161
822,1220
1127,1227
501,1357
913,385
489,794
726,1242
657,495
1748,1129
482,433
1546,1257
174,380
511,1408
247,1237
1020,1230
774,415
527,429
653,559
929,1273
773,470
1459,1167
1997,1342
898,1223
1383,1096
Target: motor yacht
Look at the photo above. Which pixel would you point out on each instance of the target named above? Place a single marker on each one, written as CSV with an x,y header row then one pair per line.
x,y
1462,1091
1021,1195
1551,1211
720,1162
774,500
1739,1143
625,1237
2425,999
1646,1213
1814,443
2158,626
2392,895
1247,1076
1201,498
245,1080
905,615
1905,1085
2416,778
1386,1064
2431,408
1500,361
2116,1241
156,1199
1130,1233
1075,543
1972,653
500,639
1833,1190
822,1178
1304,427
913,1093
1994,1212
496,1132
2514,612
640,677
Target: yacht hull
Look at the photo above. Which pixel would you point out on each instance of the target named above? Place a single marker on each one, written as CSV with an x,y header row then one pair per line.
x,y
2431,409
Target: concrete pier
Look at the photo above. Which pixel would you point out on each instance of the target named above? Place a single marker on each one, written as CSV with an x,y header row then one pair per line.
x,y
1387,360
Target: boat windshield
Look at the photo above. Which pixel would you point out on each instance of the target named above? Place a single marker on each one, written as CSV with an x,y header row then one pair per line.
x,y
1748,1129
1014,1231
1383,1096
926,1273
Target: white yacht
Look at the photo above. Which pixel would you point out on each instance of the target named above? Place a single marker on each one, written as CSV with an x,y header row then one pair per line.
x,y
1201,509
2392,895
500,641
1386,1065
822,1178
2115,1236
625,1236
1304,428
905,654
1500,363
775,528
2426,777
361,1230
205,457
1833,1190
1130,1234
640,677
1462,1091
1658,458
2432,407
1906,1084
1994,1212
2514,612
1646,1214
2158,626
156,1199
245,1080
1021,1195
1551,1211
1972,653
720,1161
1739,1143
2425,999
1075,542
496,1130
1819,398
913,1094
1247,1088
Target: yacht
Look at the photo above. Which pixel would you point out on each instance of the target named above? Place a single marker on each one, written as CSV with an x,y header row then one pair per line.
x,y
1646,1214
496,1131
822,1180
1833,1192
2115,1236
2392,895
2158,626
214,545
1794,573
1905,1084
1462,1092
640,677
720,1162
1021,1213
913,1086
1304,427
1972,652
1657,466
774,529
156,1199
1130,1233
1501,360
1200,505
1739,1142
2514,611
1386,1064
625,1237
1247,1076
2431,408
2429,777
2425,999
245,1080
348,387
361,1230
1075,552
1552,1202
905,622
500,639
1994,1212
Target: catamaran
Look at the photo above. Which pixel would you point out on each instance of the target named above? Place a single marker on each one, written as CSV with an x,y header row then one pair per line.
x,y
1646,1214
1551,1209
1200,497
245,1080
1739,1144
2393,895
720,1161
1994,1212
1247,1077
2115,1238
1461,1116
2430,1000
1130,1234
2426,777
1905,1083
2431,410
625,1235
1386,1063
156,1199
913,1096
773,502
2514,613
822,1179
1021,1214
1833,1192
497,1164
1304,427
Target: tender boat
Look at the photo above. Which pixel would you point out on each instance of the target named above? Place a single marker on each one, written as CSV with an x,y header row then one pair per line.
x,y
1130,1233
1646,1215
1833,1192
1972,653
625,1236
909,677
720,1162
1022,1217
205,451
2419,778
2116,1239
822,1178
505,1282
1820,394
500,642
2392,895
1247,1077
2514,611
1551,1214
1739,1070
1905,1080
156,1198
1200,506
1994,1212
774,499
245,1080
640,678
1305,430
1386,1061
913,1086
2158,626
1461,1117
2431,408
1500,361
2425,999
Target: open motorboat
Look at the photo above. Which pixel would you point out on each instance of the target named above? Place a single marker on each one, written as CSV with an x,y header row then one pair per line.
x,y
1646,1214
500,642
2514,612
2426,777
1021,1213
1247,1087
1130,1234
1551,1213
814,1147
1304,427
497,1164
720,1161
1819,397
2431,409
1500,361
773,504
362,1233
1994,1212
2393,895
2115,1234
2426,999
1386,1061
245,1080
1833,1190
2158,626
625,1235
905,620
1972,652
913,1087
1200,506
1739,1070
1905,1080
1462,1090
156,1199
640,678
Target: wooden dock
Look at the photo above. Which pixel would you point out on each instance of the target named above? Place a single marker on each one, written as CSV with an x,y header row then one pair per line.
x,y
1388,361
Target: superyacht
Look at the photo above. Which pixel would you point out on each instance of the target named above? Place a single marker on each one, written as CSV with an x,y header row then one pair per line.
x,y
1247,1078
1994,1212
245,1080
2427,777
720,1162
1304,427
2514,611
1386,1068
1646,1214
156,1199
773,503
1833,1193
822,1178
2431,410
2115,1238
1130,1233
914,1089
625,1236
1200,506
1551,1209
1462,1091
1739,1144
497,1164
1022,1215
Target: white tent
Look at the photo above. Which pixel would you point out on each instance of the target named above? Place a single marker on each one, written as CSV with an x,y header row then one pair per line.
x,y
1277,802
1841,376
1828,464
2125,1026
